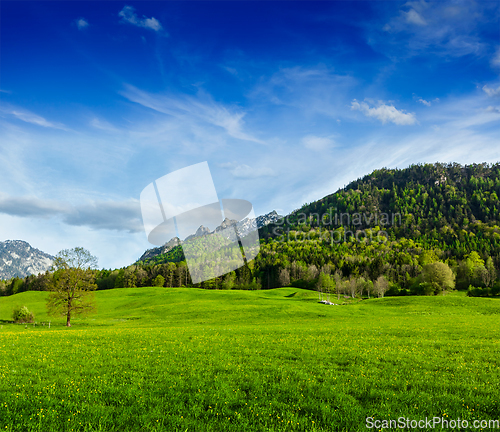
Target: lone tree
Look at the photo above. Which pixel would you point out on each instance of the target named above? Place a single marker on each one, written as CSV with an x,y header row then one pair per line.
x,y
72,291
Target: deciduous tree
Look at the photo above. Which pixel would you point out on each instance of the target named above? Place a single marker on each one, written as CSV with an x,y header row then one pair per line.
x,y
381,285
439,276
72,290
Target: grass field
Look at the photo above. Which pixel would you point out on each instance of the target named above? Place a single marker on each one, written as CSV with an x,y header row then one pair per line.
x,y
160,359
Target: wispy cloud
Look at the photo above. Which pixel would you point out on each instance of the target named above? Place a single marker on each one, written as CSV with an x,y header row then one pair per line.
x,y
246,172
318,143
423,101
109,215
385,113
493,109
492,92
231,70
82,23
129,16
313,90
29,117
103,125
427,103
413,17
495,61
444,28
201,108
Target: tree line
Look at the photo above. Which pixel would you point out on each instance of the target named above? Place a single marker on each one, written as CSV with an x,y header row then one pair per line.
x,y
350,269
449,214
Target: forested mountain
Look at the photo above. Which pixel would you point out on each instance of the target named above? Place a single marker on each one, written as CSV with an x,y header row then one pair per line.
x,y
388,230
452,207
426,213
434,201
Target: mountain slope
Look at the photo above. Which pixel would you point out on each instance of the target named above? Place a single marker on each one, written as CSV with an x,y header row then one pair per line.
x,y
431,201
170,252
392,223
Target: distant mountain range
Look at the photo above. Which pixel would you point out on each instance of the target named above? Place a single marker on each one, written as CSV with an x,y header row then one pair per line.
x,y
244,226
19,258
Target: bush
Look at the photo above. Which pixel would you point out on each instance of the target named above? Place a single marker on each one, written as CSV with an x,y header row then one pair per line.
x,y
422,288
22,315
392,291
395,290
478,292
254,285
496,288
302,283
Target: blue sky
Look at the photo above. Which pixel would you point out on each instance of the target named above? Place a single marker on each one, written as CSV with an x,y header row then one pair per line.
x,y
287,101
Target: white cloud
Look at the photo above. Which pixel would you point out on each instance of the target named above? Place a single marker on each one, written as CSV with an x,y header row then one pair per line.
x,y
492,92
201,108
29,117
317,143
413,17
231,70
82,23
385,113
435,28
312,91
103,125
492,109
128,15
423,101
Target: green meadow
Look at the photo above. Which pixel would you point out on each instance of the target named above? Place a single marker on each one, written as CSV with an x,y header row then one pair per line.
x,y
161,359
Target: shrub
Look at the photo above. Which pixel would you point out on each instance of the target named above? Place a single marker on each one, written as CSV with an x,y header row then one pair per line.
x,y
496,288
478,292
422,288
22,315
254,285
393,290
